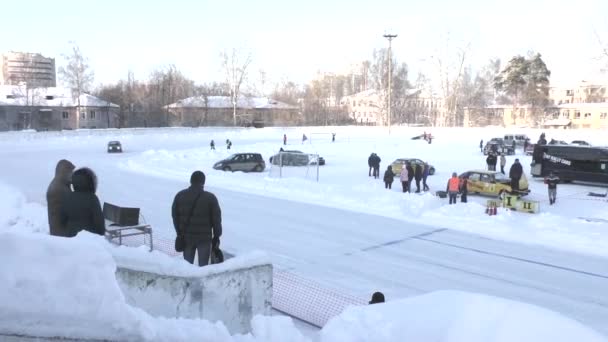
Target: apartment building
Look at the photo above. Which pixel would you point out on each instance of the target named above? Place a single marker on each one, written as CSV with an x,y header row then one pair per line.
x,y
32,69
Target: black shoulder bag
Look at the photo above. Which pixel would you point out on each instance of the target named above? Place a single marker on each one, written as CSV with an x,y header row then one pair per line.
x,y
180,242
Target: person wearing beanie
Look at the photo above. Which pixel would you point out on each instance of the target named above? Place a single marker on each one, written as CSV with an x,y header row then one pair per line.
x,y
377,297
197,219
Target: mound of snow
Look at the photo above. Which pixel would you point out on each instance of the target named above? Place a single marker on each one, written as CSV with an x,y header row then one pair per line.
x,y
20,215
454,316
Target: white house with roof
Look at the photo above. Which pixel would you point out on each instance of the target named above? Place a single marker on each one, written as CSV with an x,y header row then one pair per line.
x,y
218,111
53,108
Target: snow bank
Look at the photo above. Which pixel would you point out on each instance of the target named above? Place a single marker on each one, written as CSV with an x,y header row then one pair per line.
x,y
16,214
60,287
454,316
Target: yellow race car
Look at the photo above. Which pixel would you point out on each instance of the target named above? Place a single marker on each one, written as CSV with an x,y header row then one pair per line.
x,y
397,165
493,183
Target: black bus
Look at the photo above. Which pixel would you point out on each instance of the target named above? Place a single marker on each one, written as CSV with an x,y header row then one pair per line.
x,y
571,163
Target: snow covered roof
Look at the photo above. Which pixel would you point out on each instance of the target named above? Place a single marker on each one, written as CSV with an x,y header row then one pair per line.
x,y
226,102
49,97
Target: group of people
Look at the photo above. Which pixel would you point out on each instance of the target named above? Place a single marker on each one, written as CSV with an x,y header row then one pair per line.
x,y
72,203
409,173
492,160
457,186
73,207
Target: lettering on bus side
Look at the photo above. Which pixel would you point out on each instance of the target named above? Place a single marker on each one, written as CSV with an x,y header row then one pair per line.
x,y
555,159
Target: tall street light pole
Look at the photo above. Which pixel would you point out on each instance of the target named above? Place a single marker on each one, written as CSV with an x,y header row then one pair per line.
x,y
390,76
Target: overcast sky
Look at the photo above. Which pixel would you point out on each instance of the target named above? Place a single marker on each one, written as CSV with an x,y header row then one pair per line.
x,y
295,39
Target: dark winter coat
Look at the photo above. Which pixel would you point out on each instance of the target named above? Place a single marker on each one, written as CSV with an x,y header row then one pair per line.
x,y
464,186
425,171
370,160
375,161
516,171
491,160
206,220
59,187
81,209
552,182
389,176
410,172
418,172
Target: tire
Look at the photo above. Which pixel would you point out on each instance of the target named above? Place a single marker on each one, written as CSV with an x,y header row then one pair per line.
x,y
227,168
431,171
501,194
258,168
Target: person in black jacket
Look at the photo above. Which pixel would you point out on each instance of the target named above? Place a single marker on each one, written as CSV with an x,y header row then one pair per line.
x,y
198,218
464,189
491,160
370,162
81,210
375,164
552,182
515,174
418,176
410,176
389,177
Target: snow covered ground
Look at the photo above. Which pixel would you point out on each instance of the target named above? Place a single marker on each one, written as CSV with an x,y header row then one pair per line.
x,y
347,231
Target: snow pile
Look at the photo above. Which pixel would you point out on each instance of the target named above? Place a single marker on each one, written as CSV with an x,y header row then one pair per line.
x,y
66,287
454,316
17,214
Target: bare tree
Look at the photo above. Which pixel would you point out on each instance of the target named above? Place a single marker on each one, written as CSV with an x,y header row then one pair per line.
x,y
77,74
235,66
451,68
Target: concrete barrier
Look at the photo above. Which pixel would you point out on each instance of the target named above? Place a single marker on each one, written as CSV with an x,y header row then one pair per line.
x,y
232,296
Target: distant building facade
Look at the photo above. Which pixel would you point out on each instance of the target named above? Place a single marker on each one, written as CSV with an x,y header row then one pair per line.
x,y
33,69
584,92
48,109
218,111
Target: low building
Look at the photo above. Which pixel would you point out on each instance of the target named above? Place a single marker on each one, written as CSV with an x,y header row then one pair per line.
x,y
580,115
218,111
53,108
505,115
415,107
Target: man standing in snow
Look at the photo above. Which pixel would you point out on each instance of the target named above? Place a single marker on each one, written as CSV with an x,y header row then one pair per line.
x,y
57,190
284,139
503,162
212,144
481,146
197,219
491,161
515,174
389,177
410,176
453,188
376,166
418,177
425,174
551,182
370,162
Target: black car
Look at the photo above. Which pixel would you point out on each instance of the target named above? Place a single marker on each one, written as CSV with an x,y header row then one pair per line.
x,y
114,147
245,162
295,158
498,146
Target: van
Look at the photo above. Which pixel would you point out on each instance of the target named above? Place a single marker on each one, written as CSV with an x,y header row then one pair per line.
x,y
571,163
519,139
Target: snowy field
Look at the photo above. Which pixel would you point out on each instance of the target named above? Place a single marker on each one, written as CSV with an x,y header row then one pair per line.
x,y
346,231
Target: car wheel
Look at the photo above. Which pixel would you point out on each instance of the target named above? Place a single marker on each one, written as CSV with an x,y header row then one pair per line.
x,y
502,194
432,171
227,168
258,168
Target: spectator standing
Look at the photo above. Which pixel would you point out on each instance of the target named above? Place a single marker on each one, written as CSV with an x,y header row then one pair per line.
x,y
425,174
481,146
491,161
58,188
410,176
418,177
503,163
197,218
333,137
389,177
370,161
552,182
453,187
284,139
376,166
81,209
212,144
515,174
404,178
464,189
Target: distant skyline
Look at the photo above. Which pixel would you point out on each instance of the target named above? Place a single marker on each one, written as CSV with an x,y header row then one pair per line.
x,y
294,40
